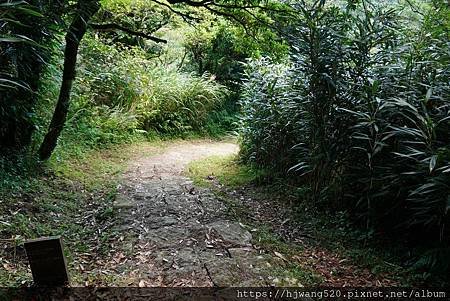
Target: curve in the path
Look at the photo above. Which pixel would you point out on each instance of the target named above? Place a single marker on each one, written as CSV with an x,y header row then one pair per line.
x,y
183,235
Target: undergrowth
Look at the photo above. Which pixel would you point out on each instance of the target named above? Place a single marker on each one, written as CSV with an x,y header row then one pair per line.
x,y
326,230
72,198
359,121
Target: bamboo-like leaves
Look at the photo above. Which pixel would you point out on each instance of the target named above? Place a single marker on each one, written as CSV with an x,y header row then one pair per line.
x,y
362,115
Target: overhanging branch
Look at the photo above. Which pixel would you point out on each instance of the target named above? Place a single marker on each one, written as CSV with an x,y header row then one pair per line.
x,y
114,26
185,16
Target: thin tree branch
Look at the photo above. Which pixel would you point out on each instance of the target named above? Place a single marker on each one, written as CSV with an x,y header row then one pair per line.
x,y
186,17
114,26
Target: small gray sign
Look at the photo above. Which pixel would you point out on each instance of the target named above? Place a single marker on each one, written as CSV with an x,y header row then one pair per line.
x,y
47,261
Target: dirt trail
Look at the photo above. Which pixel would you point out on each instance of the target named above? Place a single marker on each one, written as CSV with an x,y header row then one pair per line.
x,y
182,234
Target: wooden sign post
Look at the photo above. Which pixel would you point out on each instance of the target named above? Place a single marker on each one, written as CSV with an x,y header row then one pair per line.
x,y
47,261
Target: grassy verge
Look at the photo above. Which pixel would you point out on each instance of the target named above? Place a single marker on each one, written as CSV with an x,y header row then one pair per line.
x,y
328,235
226,169
71,196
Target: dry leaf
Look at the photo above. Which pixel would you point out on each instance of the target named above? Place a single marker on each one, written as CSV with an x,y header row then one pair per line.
x,y
142,283
279,255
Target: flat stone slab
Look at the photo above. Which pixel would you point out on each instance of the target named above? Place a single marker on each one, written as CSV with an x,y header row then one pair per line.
x,y
231,232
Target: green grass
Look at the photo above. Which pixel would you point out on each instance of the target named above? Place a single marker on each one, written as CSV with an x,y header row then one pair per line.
x,y
225,169
292,275
95,167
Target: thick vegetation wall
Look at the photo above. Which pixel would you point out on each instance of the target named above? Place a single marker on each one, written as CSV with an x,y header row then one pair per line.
x,y
360,118
26,28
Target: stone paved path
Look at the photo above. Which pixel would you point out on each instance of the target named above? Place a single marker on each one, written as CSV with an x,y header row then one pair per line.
x,y
183,236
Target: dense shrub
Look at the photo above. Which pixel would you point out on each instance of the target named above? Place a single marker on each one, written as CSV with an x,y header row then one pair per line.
x,y
220,47
178,102
161,98
361,117
267,105
26,44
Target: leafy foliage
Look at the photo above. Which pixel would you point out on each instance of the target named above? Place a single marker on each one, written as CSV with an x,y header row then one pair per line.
x,y
137,16
357,117
25,46
267,104
361,117
220,48
158,98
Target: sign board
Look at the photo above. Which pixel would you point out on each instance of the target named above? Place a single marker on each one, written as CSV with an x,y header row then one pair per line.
x,y
47,261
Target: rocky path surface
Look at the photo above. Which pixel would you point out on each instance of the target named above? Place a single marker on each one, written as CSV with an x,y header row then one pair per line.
x,y
181,233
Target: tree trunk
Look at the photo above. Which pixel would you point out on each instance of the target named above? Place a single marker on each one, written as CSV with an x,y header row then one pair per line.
x,y
86,9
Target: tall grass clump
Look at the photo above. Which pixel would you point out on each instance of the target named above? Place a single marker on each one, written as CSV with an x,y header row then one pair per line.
x,y
361,117
178,102
161,98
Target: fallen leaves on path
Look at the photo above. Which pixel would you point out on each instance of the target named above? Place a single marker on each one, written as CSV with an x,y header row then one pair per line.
x,y
334,269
